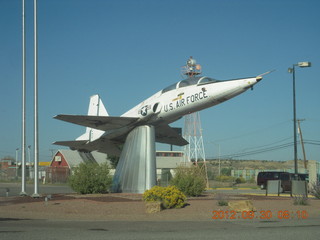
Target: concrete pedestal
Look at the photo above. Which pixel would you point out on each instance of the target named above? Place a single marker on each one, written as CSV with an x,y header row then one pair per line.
x,y
136,170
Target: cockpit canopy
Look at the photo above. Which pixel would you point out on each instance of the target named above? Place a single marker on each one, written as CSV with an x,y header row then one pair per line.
x,y
190,81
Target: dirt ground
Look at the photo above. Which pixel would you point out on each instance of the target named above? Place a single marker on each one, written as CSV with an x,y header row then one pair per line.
x,y
130,207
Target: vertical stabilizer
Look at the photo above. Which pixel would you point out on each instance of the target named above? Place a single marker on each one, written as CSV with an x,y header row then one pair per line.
x,y
96,108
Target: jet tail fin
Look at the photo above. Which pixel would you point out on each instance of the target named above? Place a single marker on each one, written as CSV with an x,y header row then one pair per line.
x,y
96,108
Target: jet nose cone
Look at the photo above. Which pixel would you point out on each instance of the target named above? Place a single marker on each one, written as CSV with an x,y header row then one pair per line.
x,y
259,78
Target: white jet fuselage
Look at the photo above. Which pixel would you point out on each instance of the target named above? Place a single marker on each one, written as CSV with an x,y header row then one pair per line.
x,y
168,105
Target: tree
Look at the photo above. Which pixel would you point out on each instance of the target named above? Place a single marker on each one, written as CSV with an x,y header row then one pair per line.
x,y
114,161
226,171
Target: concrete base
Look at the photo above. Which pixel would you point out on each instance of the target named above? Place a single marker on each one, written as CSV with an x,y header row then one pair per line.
x,y
136,170
35,195
23,194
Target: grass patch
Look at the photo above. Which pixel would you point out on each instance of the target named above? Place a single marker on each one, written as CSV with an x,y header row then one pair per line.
x,y
221,200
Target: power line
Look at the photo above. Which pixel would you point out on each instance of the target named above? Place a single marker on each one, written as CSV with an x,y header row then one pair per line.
x,y
269,144
269,149
254,152
253,131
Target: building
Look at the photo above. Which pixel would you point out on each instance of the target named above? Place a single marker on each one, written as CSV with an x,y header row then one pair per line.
x,y
65,160
8,169
166,163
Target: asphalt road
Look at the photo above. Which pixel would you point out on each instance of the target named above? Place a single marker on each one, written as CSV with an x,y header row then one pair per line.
x,y
94,230
26,229
15,189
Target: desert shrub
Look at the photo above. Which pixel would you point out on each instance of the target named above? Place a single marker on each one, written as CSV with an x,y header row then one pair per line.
x,y
210,174
252,180
223,178
91,178
300,200
221,200
315,190
240,180
170,197
190,180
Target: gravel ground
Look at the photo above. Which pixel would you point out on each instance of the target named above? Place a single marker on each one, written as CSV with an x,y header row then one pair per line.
x,y
130,207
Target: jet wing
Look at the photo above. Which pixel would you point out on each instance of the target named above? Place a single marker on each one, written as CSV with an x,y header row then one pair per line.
x,y
103,123
169,135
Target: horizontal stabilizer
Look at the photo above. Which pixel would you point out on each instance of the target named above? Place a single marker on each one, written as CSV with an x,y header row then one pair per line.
x,y
167,134
74,145
101,145
103,123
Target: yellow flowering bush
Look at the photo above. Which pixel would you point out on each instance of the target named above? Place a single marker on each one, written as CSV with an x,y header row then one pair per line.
x,y
170,197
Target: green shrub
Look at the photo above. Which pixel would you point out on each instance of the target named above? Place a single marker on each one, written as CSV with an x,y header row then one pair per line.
x,y
226,171
191,181
170,196
91,178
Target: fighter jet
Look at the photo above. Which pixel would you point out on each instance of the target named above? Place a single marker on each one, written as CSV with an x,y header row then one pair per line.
x,y
106,133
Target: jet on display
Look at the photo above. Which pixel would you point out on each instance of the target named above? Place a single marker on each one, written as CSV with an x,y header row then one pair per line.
x,y
106,133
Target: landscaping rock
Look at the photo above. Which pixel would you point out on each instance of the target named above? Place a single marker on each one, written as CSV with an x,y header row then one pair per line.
x,y
153,207
240,206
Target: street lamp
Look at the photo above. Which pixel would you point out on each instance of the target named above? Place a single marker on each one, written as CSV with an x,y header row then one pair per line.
x,y
17,150
292,70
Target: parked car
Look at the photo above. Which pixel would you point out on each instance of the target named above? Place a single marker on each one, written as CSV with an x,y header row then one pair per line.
x,y
285,178
264,177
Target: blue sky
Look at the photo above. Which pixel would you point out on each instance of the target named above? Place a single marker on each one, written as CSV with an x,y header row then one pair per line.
x,y
127,50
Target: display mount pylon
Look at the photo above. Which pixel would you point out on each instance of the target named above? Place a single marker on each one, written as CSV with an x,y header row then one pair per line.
x,y
136,170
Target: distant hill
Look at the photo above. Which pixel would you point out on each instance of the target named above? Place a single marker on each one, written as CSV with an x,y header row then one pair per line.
x,y
253,164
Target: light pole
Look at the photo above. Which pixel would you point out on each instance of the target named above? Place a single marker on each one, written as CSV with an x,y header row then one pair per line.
x,y
292,70
17,150
29,159
219,160
36,133
23,142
